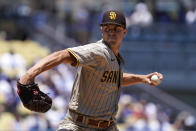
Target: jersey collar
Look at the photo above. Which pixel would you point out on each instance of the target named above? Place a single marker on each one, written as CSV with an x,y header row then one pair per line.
x,y
118,57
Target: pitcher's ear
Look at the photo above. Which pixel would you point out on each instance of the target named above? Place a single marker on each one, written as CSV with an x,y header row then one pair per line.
x,y
125,31
101,28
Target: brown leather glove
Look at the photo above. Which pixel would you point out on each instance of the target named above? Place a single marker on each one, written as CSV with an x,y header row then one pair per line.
x,y
34,99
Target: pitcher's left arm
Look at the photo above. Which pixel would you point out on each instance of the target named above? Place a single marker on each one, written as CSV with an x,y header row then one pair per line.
x,y
131,79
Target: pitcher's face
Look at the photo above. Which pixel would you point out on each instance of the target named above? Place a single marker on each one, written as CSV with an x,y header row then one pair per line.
x,y
113,34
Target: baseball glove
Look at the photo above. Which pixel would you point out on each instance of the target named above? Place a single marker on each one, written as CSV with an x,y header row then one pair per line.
x,y
34,99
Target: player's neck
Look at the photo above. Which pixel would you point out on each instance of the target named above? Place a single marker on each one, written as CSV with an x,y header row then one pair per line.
x,y
115,47
115,50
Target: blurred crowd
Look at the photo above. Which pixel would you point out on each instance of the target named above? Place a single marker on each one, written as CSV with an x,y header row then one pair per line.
x,y
64,18
56,82
137,114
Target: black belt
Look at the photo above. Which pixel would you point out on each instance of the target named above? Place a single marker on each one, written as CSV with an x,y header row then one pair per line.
x,y
92,122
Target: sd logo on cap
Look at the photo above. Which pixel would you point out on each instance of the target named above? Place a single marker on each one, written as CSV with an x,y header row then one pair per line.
x,y
113,17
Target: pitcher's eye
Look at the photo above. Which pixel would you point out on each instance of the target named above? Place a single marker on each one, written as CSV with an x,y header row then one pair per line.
x,y
116,30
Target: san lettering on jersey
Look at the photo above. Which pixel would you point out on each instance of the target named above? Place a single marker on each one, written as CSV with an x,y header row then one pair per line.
x,y
109,76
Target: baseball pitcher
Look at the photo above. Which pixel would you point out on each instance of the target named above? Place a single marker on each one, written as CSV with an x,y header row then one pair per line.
x,y
98,83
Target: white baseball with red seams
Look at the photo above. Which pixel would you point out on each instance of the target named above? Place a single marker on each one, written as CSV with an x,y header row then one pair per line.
x,y
155,78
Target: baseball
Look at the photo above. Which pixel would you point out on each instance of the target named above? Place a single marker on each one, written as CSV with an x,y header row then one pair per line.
x,y
155,78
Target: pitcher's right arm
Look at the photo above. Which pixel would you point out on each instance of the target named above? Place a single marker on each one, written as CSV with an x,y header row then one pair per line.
x,y
47,63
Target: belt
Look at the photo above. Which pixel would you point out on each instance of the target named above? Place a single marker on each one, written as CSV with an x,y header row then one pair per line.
x,y
92,122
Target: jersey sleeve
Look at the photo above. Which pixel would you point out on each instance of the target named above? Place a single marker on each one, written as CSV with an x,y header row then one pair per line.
x,y
89,54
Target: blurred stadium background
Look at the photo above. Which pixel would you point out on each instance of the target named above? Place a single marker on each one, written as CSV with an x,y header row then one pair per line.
x,y
160,37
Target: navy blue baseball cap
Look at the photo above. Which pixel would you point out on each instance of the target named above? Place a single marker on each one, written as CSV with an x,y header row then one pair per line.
x,y
113,17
